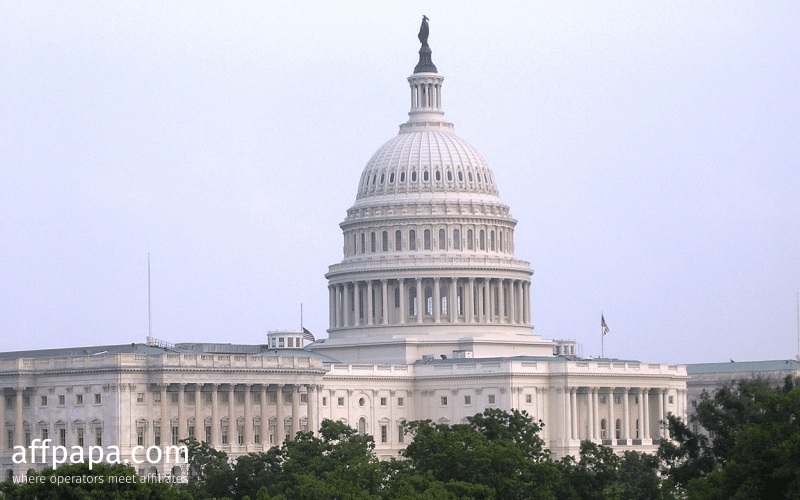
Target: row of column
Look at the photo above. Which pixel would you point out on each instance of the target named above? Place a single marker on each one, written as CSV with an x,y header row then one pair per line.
x,y
454,300
426,95
216,417
594,414
198,413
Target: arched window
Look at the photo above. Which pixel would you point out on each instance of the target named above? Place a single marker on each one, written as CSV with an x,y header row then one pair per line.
x,y
412,240
460,176
482,240
449,176
619,429
460,301
385,241
443,294
363,243
402,176
397,297
427,236
362,426
425,176
603,429
470,240
414,176
501,241
456,239
372,243
398,240
428,300
412,300
442,239
438,176
360,302
491,237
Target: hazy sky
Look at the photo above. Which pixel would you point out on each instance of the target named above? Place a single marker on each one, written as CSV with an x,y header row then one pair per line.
x,y
649,150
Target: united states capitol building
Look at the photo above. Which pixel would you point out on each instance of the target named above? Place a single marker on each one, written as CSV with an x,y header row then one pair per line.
x,y
429,318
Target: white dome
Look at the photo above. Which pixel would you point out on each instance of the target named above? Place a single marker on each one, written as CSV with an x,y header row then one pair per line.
x,y
432,162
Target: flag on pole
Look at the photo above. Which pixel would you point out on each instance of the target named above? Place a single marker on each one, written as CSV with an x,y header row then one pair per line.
x,y
308,335
603,324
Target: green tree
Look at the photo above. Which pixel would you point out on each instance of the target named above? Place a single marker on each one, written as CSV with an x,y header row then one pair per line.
x,y
500,450
211,475
754,451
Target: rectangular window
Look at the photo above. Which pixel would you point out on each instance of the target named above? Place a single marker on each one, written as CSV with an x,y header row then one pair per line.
x,y
62,437
304,398
62,400
26,401
383,401
239,398
45,434
173,396
401,432
10,440
617,399
287,397
98,436
290,342
444,400
670,400
340,401
224,435
207,397
175,435
280,342
223,398
157,435
9,402
43,401
324,401
400,402
602,399
467,400
27,438
191,433
140,436
189,396
528,398
140,397
156,397
491,399
257,434
78,399
273,398
80,437
257,398
98,398
240,428
208,434
384,433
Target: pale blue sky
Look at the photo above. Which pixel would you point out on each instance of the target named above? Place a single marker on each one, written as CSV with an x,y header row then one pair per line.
x,y
649,151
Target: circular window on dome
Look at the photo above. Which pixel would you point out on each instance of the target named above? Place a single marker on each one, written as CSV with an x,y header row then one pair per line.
x,y
449,176
402,176
460,176
391,178
383,176
414,176
425,176
361,402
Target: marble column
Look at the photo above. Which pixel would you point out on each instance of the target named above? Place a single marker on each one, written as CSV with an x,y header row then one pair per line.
x,y
264,416
166,425
610,424
501,301
368,290
469,306
19,426
357,303
646,403
280,419
215,420
567,413
573,396
3,436
384,302
401,287
661,394
590,414
452,301
248,415
641,414
182,420
233,437
420,300
437,301
295,410
311,402
626,423
199,421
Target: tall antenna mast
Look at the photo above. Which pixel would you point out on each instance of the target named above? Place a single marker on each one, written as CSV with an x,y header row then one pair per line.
x,y
301,316
798,326
149,309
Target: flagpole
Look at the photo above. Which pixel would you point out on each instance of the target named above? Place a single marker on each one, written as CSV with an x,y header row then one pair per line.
x,y
602,337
